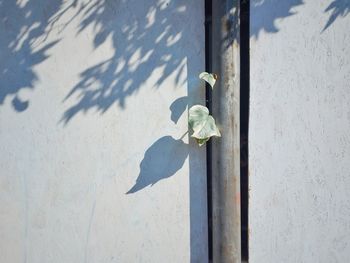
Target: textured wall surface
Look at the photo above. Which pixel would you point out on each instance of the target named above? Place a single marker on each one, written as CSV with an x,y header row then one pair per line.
x,y
92,108
299,131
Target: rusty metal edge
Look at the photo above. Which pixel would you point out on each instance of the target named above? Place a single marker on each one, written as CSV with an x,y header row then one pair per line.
x,y
226,150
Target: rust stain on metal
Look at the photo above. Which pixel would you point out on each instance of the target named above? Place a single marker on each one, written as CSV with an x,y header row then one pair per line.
x,y
226,151
229,250
238,198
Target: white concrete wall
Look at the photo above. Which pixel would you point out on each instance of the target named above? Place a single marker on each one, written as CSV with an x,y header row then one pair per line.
x,y
299,131
92,108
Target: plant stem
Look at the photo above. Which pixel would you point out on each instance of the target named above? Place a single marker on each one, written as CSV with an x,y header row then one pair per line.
x,y
183,135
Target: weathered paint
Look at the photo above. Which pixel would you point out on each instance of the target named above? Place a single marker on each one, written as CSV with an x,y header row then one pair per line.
x,y
226,150
92,106
299,142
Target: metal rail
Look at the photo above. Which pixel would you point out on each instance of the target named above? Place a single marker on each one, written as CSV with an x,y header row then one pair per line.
x,y
226,214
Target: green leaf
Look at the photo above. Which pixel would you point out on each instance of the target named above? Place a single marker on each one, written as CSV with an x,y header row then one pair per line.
x,y
202,141
202,124
209,77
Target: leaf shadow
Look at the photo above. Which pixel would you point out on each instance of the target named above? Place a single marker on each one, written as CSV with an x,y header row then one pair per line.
x,y
264,14
24,28
161,160
337,8
144,40
177,108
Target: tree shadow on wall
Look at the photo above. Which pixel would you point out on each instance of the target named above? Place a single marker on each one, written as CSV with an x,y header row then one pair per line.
x,y
266,12
24,27
337,8
149,44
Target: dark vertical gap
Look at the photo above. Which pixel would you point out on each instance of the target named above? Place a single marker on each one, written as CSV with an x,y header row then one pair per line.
x,y
208,68
244,125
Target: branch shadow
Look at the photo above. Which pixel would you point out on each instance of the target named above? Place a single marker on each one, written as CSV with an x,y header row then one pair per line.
x,y
145,39
24,27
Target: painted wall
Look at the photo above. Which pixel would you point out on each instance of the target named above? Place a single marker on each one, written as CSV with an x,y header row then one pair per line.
x,y
93,99
299,131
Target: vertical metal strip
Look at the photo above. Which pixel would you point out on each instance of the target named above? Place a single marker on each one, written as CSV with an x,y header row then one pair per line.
x,y
244,124
208,68
226,150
